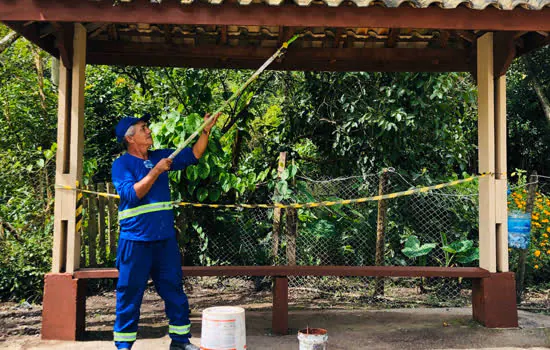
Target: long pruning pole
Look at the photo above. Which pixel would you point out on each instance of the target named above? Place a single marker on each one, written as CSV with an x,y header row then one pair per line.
x,y
254,76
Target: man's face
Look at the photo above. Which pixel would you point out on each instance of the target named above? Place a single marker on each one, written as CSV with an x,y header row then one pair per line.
x,y
142,135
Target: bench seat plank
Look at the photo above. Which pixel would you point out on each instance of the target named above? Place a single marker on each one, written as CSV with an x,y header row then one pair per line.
x,y
374,271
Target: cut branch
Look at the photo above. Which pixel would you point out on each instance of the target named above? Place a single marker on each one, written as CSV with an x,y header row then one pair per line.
x,y
7,40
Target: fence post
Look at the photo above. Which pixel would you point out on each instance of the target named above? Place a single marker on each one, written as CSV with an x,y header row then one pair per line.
x,y
380,231
111,221
277,211
531,190
92,227
101,224
291,232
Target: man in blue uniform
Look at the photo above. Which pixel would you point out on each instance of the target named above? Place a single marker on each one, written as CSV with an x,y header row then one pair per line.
x,y
147,244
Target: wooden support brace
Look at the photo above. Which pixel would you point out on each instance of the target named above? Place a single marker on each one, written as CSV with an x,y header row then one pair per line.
x,y
504,52
64,36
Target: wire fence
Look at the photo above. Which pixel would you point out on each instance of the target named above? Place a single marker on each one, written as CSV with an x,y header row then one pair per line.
x,y
403,231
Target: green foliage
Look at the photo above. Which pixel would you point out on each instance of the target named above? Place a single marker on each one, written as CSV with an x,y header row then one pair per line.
x,y
528,128
463,251
329,124
413,249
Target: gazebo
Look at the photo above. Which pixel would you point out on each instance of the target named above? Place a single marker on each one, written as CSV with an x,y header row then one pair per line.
x,y
477,36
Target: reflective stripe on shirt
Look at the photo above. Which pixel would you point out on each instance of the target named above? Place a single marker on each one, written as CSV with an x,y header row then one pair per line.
x,y
143,209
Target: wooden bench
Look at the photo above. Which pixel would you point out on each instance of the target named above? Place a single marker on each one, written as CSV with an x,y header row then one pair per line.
x,y
280,275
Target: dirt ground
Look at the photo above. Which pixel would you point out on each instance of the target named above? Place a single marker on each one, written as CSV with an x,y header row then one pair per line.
x,y
350,325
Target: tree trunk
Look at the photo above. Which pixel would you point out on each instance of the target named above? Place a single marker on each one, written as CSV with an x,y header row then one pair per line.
x,y
40,75
277,213
9,39
381,232
543,99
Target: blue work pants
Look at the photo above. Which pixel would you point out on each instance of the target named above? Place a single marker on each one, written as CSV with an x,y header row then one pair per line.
x,y
136,261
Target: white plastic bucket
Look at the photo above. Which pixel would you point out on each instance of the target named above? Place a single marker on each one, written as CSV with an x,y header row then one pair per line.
x,y
223,328
313,339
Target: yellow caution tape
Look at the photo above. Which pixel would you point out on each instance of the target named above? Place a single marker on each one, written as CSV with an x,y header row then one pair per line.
x,y
301,205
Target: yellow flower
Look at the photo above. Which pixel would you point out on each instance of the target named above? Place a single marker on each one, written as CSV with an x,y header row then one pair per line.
x,y
536,267
548,229
120,80
548,251
545,220
545,235
537,253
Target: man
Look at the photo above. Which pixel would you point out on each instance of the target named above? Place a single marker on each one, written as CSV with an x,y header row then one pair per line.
x,y
147,244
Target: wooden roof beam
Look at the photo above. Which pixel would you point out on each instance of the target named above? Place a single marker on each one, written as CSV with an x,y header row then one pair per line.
x,y
31,32
393,36
328,59
172,12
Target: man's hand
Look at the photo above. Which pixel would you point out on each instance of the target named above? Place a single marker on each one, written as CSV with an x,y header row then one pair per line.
x,y
208,127
144,185
163,165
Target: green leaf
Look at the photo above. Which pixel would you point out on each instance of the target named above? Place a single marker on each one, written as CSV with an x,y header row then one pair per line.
x,y
413,249
48,154
282,188
225,182
203,170
214,195
292,170
284,175
40,163
202,193
458,247
191,172
468,257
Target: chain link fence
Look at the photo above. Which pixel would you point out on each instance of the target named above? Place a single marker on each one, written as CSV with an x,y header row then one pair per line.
x,y
404,231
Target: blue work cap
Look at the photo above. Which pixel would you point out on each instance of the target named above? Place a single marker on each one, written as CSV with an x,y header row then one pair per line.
x,y
125,123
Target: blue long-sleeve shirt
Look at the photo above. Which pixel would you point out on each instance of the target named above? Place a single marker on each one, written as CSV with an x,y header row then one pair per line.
x,y
150,218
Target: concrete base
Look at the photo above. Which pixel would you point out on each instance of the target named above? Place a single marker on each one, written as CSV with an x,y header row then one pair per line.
x,y
64,307
494,300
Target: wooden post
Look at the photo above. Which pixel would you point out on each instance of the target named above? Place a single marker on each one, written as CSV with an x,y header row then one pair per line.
x,y
380,232
77,133
101,223
291,232
70,141
533,183
92,227
64,311
486,152
112,221
279,321
501,181
277,212
83,233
